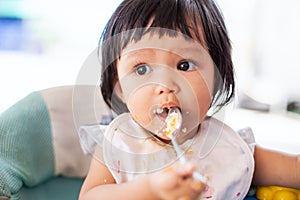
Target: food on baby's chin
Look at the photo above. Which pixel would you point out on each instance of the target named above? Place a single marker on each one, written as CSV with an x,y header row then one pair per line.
x,y
159,134
135,117
158,110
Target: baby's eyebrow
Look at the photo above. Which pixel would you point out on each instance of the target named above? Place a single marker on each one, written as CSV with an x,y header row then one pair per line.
x,y
133,56
177,50
197,48
184,51
139,50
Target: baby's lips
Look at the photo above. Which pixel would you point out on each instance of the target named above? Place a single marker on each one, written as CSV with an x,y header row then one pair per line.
x,y
169,104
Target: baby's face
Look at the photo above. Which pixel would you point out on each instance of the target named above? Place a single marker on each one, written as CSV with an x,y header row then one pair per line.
x,y
157,73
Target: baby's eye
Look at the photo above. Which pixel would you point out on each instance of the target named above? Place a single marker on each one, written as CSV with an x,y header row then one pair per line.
x,y
142,69
186,66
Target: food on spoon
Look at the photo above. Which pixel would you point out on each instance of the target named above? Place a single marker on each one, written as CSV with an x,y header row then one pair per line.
x,y
171,122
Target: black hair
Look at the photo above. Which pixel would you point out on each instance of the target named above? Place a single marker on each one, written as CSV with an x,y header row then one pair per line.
x,y
136,17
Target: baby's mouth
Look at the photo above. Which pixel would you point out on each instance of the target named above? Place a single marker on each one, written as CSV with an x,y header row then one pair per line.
x,y
162,113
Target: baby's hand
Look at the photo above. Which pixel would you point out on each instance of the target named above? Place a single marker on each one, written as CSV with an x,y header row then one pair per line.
x,y
176,183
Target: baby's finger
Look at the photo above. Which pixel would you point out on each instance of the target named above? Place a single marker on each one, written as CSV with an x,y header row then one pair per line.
x,y
185,169
187,189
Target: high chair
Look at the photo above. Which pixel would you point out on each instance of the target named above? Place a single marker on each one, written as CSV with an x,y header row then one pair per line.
x,y
40,154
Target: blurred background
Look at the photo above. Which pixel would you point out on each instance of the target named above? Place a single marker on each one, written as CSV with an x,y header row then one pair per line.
x,y
265,39
44,44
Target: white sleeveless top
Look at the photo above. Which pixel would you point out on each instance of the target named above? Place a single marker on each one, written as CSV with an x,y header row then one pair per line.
x,y
219,153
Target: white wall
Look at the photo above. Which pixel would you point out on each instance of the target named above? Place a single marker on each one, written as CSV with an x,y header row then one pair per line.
x,y
68,32
264,34
265,37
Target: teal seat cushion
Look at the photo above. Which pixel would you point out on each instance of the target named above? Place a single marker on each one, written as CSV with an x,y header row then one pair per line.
x,y
26,151
60,188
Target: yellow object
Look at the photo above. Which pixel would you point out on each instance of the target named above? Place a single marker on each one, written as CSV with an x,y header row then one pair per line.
x,y
277,193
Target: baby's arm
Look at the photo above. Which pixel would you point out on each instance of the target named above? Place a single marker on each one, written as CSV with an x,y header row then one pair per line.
x,y
100,184
167,184
276,168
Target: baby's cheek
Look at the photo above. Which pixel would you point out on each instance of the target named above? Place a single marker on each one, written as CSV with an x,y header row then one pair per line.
x,y
138,113
139,104
205,104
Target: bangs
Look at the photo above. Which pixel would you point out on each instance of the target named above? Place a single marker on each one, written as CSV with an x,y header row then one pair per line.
x,y
162,17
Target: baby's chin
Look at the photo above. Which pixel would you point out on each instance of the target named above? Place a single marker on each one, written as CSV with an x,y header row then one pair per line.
x,y
163,137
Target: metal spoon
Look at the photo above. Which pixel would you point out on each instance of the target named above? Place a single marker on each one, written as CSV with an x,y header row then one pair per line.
x,y
173,126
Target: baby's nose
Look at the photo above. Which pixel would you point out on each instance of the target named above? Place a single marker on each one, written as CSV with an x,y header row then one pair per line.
x,y
167,86
166,80
160,89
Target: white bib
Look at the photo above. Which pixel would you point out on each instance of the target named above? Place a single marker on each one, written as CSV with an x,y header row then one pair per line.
x,y
219,153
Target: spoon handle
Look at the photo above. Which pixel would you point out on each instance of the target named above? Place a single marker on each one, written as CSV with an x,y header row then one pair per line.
x,y
179,152
196,175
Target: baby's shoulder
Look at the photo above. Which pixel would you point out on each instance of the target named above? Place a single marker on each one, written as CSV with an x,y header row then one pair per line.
x,y
245,133
215,125
225,132
125,134
122,127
